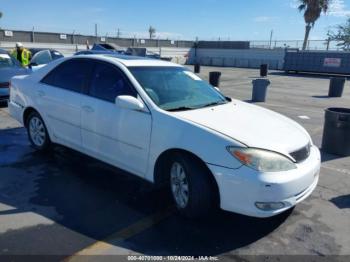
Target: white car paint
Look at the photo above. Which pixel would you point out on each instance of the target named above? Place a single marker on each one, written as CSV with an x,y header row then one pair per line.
x,y
134,140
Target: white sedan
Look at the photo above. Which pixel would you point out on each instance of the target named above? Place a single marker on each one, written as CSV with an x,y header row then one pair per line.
x,y
161,122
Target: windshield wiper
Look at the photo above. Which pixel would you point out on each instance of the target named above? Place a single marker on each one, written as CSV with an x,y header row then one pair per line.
x,y
181,108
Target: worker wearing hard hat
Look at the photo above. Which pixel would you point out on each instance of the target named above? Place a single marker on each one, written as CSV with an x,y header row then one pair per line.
x,y
22,54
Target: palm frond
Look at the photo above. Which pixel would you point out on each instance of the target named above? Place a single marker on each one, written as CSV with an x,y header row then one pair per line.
x,y
301,7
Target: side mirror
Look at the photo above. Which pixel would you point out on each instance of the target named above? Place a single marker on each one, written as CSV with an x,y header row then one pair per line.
x,y
129,102
32,64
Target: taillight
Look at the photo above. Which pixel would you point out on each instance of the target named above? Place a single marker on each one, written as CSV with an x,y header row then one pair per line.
x,y
4,85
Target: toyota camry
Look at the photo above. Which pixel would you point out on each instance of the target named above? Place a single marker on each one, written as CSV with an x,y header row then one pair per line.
x,y
161,122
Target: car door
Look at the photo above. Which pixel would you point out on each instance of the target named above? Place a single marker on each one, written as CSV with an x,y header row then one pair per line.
x,y
116,135
59,98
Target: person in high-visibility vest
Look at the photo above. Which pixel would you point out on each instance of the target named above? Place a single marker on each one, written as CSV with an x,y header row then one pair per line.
x,y
22,54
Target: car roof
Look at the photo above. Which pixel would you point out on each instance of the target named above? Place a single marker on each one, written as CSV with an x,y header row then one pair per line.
x,y
133,61
42,49
3,51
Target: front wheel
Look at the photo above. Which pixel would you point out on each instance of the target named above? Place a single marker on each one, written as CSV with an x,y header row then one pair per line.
x,y
37,132
191,186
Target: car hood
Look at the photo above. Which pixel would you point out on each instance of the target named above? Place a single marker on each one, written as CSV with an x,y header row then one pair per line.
x,y
251,125
7,73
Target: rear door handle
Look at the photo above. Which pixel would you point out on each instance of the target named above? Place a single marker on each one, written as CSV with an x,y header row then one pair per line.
x,y
41,93
88,109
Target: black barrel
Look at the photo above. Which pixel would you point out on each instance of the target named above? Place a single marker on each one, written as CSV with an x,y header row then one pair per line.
x,y
214,78
264,69
260,90
336,86
197,68
336,132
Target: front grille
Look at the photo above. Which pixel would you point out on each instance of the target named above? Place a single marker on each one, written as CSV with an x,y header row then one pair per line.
x,y
301,154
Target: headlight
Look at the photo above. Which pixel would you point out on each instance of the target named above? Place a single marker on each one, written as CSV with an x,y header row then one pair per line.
x,y
262,160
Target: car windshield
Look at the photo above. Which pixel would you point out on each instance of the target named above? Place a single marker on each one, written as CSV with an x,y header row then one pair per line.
x,y
176,88
6,61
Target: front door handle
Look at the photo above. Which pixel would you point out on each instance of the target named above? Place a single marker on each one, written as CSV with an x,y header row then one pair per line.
x,y
88,109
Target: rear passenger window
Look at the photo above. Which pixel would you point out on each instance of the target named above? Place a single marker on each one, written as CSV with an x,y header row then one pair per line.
x,y
72,75
108,82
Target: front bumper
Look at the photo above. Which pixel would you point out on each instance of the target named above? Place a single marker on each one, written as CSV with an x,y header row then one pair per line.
x,y
240,189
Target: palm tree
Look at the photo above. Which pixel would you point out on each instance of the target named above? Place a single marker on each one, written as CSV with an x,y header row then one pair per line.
x,y
1,14
312,11
151,32
342,35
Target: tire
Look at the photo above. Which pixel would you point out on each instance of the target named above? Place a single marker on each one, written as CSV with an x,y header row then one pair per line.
x,y
194,195
37,132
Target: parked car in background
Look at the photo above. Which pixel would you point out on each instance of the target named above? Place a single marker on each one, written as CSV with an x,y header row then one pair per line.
x,y
9,67
161,122
113,49
42,56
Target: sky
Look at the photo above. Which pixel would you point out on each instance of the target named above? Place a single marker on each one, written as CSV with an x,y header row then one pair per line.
x,y
177,19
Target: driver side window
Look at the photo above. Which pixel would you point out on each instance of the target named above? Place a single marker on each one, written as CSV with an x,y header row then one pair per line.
x,y
108,82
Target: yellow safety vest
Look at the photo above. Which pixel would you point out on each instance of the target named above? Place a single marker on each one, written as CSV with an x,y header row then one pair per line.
x,y
26,56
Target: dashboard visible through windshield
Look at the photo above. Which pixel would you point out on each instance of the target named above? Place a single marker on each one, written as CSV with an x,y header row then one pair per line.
x,y
176,88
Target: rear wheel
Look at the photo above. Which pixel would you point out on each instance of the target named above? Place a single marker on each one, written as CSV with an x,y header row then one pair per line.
x,y
37,132
190,185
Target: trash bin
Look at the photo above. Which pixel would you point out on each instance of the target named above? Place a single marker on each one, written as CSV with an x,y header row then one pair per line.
x,y
264,69
260,90
336,86
214,78
197,68
336,132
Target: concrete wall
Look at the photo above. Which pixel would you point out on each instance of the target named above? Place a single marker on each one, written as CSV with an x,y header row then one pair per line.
x,y
55,38
65,49
250,58
180,51
224,44
177,55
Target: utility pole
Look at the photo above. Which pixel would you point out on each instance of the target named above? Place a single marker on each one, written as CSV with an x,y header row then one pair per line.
x,y
118,33
96,30
271,35
73,40
33,37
